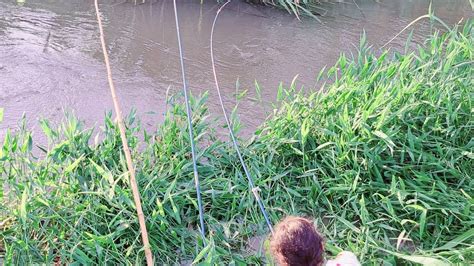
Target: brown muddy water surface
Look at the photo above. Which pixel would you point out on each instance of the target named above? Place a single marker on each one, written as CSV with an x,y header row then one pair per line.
x,y
51,62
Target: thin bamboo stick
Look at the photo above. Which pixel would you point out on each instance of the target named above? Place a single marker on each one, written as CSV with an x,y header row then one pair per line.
x,y
126,150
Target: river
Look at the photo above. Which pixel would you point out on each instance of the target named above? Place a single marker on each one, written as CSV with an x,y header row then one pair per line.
x,y
51,62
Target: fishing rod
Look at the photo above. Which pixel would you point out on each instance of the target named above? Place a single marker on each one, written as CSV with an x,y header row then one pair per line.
x,y
190,126
255,190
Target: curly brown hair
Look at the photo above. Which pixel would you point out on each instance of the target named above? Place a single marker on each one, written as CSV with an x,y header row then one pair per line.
x,y
296,242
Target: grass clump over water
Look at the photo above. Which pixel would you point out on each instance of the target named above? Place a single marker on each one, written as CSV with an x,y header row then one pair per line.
x,y
382,159
296,7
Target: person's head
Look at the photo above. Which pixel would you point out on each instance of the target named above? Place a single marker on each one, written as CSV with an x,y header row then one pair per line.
x,y
296,242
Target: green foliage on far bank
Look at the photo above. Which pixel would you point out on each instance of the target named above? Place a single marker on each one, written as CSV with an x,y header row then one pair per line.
x,y
382,160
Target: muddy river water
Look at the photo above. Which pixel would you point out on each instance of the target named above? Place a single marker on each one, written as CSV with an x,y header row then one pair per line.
x,y
51,62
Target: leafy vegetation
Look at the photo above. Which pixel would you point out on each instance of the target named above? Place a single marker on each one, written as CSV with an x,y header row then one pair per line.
x,y
385,155
382,160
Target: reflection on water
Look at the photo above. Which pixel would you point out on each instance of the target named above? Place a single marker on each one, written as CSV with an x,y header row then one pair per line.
x,y
50,57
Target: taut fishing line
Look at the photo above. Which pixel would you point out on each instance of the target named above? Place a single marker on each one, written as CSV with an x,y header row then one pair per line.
x,y
255,190
190,126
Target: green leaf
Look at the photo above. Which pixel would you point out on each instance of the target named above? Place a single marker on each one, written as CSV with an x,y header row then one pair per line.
x,y
202,254
280,92
293,192
348,224
105,174
423,222
73,166
82,257
22,207
305,128
42,201
28,144
458,240
176,214
161,210
386,138
324,145
47,129
258,90
422,260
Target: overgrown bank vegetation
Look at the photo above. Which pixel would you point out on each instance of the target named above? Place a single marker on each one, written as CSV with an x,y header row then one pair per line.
x,y
306,7
382,160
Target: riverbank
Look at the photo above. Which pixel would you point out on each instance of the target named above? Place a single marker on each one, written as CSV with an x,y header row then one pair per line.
x,y
382,160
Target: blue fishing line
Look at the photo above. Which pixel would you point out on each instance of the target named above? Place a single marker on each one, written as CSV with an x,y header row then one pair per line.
x,y
190,126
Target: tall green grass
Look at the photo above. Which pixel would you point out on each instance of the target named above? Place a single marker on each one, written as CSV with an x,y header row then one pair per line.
x,y
382,159
385,155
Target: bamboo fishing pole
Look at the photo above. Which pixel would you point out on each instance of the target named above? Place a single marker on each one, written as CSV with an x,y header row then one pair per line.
x,y
126,149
